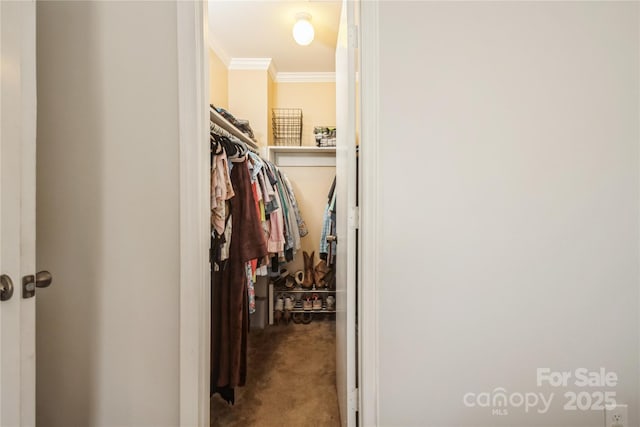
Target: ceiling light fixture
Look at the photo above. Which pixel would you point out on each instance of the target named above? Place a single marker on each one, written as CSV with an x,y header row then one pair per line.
x,y
303,30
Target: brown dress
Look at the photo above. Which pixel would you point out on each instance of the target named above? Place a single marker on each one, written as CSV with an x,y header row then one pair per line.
x,y
229,300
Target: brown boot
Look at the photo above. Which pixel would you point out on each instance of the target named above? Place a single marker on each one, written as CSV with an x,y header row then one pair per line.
x,y
309,276
321,271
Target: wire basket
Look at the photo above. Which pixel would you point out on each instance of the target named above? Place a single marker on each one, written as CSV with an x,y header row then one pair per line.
x,y
287,126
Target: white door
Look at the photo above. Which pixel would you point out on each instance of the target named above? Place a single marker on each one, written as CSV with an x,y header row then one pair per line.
x,y
346,214
17,210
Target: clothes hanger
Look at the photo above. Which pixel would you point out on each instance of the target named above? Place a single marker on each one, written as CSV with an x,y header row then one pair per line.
x,y
216,143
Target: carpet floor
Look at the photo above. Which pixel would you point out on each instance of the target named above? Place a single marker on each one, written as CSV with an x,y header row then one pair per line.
x,y
291,379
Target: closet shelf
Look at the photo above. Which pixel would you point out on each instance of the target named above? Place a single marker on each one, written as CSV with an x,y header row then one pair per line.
x,y
301,149
217,118
302,156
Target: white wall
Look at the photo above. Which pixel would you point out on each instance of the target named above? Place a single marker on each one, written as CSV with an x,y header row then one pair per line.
x,y
509,205
108,204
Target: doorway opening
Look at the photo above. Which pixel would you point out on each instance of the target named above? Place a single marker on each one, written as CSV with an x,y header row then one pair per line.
x,y
283,315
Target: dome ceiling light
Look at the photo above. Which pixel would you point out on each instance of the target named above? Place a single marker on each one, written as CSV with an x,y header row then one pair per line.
x,y
303,30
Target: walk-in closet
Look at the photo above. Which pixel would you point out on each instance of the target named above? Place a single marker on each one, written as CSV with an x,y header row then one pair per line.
x,y
276,308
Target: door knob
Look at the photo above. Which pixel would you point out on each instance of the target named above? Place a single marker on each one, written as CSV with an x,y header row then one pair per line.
x,y
6,287
42,279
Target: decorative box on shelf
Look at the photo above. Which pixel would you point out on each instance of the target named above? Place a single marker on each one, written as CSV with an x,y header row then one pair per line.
x,y
325,136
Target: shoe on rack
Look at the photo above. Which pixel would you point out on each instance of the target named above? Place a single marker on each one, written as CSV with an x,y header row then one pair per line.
x,y
331,302
280,279
317,302
307,304
279,304
277,316
288,306
288,303
286,316
277,310
290,282
309,272
321,271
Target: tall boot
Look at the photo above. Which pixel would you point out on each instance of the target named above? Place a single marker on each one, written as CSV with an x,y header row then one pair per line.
x,y
309,277
321,271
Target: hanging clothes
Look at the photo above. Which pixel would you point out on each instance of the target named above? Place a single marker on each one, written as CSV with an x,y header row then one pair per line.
x,y
328,249
229,301
221,190
255,222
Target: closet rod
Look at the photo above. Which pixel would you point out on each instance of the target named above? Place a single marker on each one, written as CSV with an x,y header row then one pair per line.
x,y
226,125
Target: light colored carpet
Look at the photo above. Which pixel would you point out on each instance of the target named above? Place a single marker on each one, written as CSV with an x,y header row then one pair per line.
x,y
291,379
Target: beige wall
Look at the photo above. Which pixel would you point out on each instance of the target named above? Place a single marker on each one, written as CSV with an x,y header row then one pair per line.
x,y
248,99
509,206
108,205
218,81
311,186
271,102
318,103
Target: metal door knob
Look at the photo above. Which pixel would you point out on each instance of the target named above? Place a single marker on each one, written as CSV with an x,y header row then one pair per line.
x,y
6,287
43,279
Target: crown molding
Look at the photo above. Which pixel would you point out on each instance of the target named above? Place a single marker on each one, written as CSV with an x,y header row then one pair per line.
x,y
268,64
306,77
254,64
214,45
273,72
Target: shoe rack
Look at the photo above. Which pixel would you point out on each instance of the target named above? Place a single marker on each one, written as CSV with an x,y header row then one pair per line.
x,y
300,295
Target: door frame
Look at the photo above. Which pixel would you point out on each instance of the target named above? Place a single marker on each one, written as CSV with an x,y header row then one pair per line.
x,y
195,282
370,217
195,277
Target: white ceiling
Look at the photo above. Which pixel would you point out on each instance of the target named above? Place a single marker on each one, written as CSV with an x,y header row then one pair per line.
x,y
262,29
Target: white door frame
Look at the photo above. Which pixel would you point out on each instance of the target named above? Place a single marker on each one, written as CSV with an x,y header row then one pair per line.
x,y
195,283
370,217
